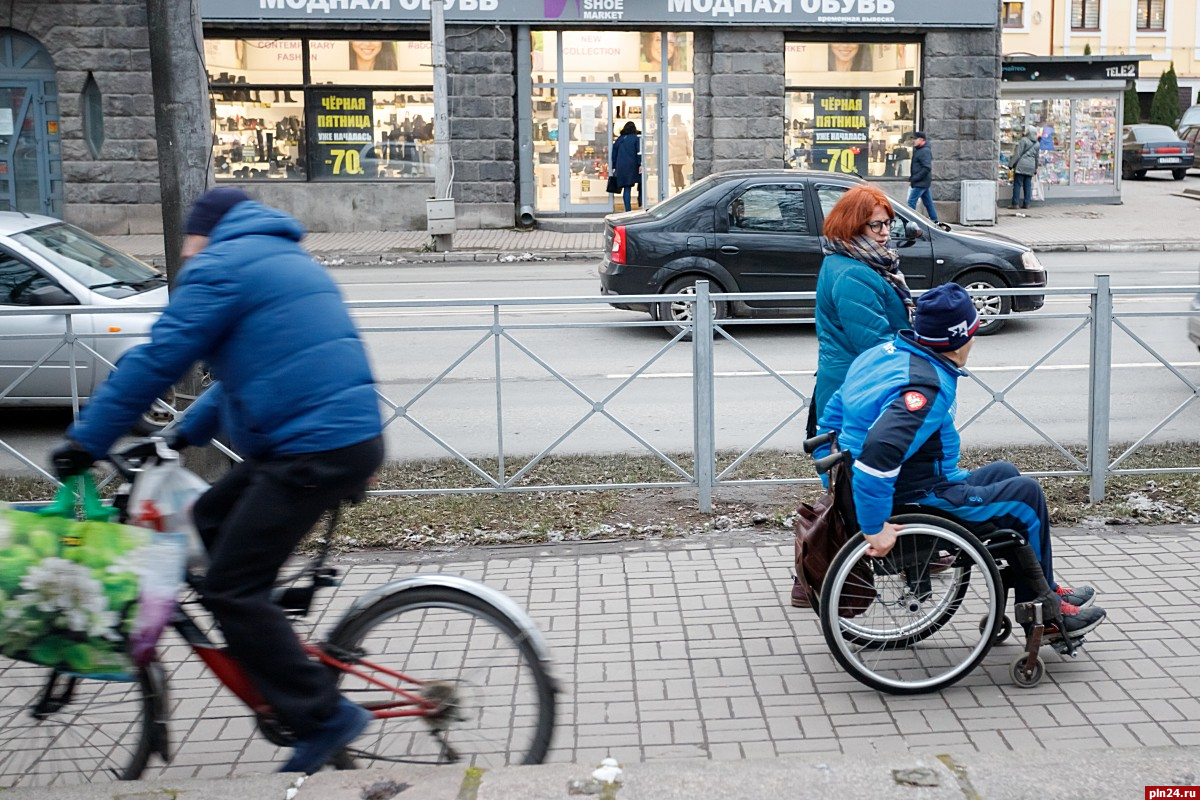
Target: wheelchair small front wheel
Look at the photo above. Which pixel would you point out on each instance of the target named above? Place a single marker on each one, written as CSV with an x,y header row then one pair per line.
x,y
894,624
1027,679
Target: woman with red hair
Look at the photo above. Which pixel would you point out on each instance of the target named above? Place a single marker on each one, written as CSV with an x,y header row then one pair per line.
x,y
862,299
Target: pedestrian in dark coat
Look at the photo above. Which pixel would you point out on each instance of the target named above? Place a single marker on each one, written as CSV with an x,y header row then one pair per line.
x,y
627,162
920,175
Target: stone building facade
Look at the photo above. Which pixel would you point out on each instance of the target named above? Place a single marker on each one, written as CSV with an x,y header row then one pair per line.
x,y
727,94
110,186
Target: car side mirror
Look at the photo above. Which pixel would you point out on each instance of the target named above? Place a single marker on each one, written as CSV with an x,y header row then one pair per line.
x,y
912,231
52,296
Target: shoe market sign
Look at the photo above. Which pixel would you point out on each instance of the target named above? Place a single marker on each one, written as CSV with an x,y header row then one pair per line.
x,y
926,13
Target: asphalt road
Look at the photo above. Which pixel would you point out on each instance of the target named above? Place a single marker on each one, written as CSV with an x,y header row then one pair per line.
x,y
596,357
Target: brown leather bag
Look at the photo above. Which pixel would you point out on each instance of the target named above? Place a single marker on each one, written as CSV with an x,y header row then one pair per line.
x,y
821,530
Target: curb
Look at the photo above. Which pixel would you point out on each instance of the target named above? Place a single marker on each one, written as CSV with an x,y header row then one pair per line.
x,y
389,257
1134,246
335,258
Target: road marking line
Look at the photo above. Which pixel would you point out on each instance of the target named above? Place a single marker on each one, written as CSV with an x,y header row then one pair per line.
x,y
789,373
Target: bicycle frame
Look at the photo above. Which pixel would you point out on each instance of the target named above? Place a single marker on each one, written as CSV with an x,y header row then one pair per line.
x,y
231,674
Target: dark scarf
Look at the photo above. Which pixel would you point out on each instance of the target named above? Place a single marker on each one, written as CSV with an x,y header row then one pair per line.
x,y
883,260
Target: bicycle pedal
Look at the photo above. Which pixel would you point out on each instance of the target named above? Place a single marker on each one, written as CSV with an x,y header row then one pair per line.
x,y
326,577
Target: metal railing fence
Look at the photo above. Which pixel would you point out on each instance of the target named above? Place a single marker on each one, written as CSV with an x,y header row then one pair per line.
x,y
500,330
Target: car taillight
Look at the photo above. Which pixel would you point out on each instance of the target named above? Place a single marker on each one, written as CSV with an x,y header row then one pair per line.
x,y
1169,150
617,255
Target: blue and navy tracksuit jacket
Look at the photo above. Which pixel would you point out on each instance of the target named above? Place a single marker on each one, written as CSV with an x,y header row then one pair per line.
x,y
895,415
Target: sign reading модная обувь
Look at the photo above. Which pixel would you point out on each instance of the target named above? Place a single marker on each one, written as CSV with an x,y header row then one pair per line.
x,y
927,13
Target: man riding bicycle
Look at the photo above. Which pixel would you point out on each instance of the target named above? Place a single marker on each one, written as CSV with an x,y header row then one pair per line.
x,y
296,397
895,415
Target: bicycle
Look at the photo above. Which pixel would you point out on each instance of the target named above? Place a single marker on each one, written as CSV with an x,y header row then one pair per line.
x,y
461,659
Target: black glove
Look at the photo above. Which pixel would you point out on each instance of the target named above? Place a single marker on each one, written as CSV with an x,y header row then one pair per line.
x,y
70,459
175,440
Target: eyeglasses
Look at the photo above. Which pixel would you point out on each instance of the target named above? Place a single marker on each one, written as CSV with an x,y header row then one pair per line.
x,y
879,225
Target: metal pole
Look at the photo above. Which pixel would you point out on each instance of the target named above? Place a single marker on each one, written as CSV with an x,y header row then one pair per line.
x,y
525,217
1099,388
442,167
183,129
703,402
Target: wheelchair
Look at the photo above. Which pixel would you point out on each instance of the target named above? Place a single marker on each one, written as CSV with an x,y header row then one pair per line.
x,y
925,615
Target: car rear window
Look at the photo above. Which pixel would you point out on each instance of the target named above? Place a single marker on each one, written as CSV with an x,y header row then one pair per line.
x,y
669,205
1154,133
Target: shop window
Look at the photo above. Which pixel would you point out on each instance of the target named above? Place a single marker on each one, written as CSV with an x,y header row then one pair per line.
x,y
318,109
1013,15
612,78
91,109
1085,15
865,64
1078,153
851,107
1151,15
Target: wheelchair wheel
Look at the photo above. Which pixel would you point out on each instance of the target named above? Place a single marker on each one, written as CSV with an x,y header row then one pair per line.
x,y
909,637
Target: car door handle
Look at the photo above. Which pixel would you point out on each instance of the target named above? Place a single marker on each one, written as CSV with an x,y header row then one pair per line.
x,y
730,249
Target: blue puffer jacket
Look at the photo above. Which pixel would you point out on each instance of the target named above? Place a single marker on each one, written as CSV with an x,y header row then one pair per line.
x,y
895,414
270,323
856,309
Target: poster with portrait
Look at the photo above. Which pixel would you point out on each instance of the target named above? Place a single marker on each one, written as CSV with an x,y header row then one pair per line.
x,y
341,132
841,131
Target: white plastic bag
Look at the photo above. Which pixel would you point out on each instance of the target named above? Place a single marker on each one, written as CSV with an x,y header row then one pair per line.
x,y
162,499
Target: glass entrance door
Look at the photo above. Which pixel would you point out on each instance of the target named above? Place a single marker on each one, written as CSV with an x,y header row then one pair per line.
x,y
22,160
583,178
652,148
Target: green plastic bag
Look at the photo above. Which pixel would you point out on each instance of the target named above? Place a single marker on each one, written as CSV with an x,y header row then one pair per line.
x,y
81,594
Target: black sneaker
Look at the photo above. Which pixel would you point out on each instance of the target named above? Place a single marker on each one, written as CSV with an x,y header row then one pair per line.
x,y
1082,596
1077,621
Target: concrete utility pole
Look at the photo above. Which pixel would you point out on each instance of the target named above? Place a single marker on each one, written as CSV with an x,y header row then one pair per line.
x,y
441,118
185,169
184,130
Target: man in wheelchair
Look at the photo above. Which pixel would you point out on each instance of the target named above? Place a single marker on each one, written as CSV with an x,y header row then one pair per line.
x,y
895,416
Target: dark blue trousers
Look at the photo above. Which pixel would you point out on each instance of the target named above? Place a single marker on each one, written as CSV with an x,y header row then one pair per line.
x,y
999,494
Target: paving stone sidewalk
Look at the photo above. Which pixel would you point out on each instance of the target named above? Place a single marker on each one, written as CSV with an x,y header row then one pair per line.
x,y
687,649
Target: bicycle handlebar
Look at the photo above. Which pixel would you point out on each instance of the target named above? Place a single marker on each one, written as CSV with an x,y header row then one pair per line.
x,y
130,459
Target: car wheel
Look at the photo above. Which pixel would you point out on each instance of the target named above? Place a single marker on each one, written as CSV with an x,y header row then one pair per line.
x,y
678,314
155,418
1179,174
1126,172
1139,173
992,308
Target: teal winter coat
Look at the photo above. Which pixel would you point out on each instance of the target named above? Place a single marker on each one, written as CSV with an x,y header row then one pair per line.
x,y
856,309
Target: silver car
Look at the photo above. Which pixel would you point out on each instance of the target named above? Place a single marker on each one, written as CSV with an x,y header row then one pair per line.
x,y
46,262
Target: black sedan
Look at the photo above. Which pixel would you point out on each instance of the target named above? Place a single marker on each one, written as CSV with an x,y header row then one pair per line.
x,y
758,231
1152,147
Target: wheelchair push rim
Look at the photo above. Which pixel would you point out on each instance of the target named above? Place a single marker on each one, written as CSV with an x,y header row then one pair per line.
x,y
921,629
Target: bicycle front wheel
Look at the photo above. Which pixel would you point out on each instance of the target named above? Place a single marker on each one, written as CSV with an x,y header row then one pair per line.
x,y
482,696
59,729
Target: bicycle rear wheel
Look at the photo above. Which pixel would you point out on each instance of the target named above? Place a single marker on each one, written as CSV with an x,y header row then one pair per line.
x,y
495,699
58,729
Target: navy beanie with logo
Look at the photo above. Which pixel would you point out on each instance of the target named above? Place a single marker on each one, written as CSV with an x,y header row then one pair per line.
x,y
210,207
945,318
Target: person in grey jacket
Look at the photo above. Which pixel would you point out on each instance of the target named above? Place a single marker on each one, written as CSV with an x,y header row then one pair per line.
x,y
1024,165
